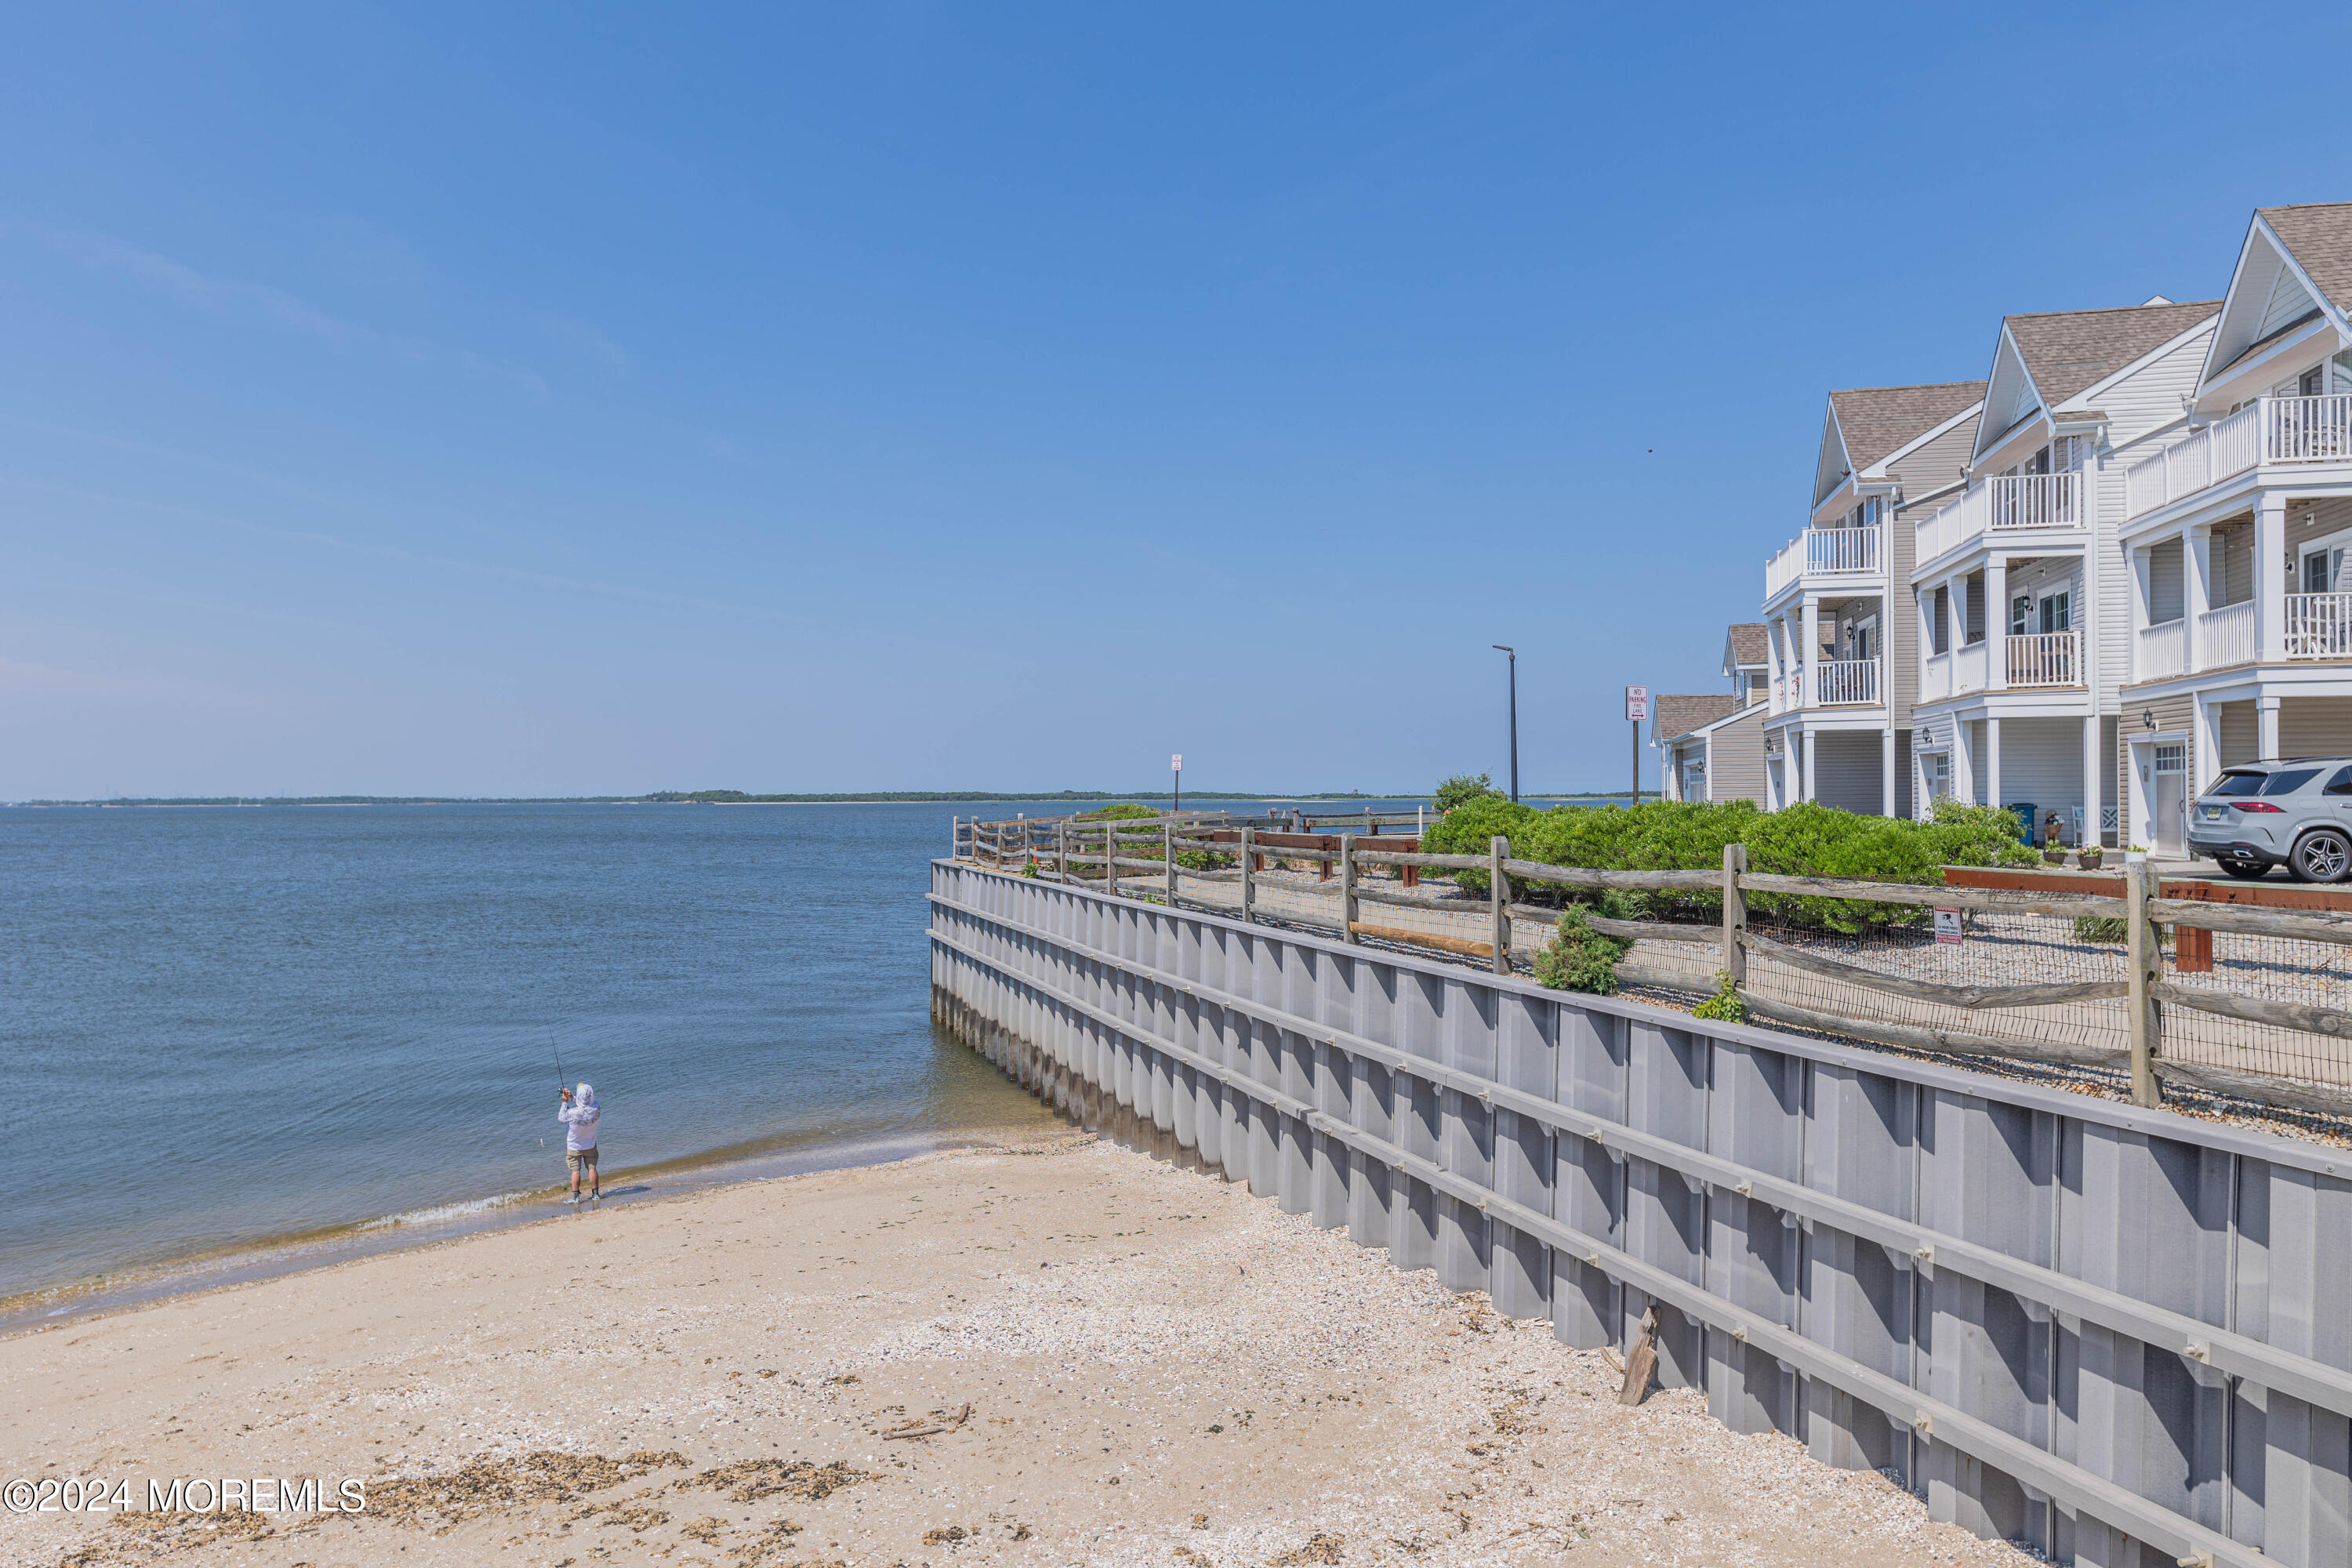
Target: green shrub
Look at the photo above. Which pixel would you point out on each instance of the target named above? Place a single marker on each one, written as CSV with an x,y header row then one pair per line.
x,y
1462,789
2101,928
1725,1006
1124,809
1805,840
1580,958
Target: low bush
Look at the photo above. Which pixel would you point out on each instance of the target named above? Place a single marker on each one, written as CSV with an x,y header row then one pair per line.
x,y
1123,810
1804,840
1725,1006
1580,958
1464,788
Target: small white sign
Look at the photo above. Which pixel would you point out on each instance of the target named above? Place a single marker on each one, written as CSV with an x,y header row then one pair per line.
x,y
1176,763
1637,702
1948,925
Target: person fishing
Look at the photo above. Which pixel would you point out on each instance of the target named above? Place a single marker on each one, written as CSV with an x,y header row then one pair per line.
x,y
580,1117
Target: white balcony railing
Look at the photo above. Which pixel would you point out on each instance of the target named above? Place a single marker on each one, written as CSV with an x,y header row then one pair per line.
x,y
1936,677
2040,658
1969,667
2163,650
2267,431
1823,552
1846,680
2030,501
2318,625
2226,637
2005,503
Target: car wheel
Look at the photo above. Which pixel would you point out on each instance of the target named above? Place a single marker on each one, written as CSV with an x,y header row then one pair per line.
x,y
2325,856
2246,870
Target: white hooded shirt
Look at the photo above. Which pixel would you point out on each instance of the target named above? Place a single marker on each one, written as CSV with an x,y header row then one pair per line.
x,y
580,1118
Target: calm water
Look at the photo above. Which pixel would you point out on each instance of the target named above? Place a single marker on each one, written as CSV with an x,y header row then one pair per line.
x,y
225,1027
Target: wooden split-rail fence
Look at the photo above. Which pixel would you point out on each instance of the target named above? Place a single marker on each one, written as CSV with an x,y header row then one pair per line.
x,y
1141,857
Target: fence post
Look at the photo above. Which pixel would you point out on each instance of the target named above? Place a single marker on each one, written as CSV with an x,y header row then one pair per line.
x,y
1062,849
1249,886
1347,887
1735,916
1498,895
955,838
1168,840
2144,950
1111,853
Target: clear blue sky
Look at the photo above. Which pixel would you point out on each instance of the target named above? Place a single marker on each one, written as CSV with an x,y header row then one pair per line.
x,y
565,399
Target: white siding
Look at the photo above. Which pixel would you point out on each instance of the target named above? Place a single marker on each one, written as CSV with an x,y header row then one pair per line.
x,y
2288,302
2165,589
2147,400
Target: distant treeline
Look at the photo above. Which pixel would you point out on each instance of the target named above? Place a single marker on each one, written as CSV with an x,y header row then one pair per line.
x,y
738,797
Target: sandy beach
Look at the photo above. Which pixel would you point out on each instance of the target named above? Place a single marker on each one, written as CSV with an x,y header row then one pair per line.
x,y
1058,1354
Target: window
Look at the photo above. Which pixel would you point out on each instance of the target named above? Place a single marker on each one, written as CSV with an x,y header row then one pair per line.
x,y
2286,780
2173,758
2229,784
2313,381
2057,614
2341,784
2021,614
1937,767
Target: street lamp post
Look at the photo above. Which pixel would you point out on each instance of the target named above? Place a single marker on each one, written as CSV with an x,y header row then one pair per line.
x,y
1514,656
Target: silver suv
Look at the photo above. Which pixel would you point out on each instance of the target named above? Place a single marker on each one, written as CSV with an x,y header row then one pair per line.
x,y
2295,813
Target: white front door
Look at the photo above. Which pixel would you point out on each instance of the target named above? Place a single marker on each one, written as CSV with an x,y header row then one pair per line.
x,y
2168,796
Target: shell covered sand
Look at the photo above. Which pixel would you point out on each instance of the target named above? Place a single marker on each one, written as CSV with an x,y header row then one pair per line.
x,y
1059,1355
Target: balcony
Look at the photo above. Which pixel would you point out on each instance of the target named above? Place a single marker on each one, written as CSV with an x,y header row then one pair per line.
x,y
2226,636
1935,678
2041,658
2006,503
1846,681
2163,650
1823,552
2267,431
2318,625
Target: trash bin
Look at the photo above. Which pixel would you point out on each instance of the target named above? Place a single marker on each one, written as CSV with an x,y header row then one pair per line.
x,y
2024,813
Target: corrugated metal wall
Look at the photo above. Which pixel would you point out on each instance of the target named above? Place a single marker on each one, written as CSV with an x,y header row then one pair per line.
x,y
2117,1334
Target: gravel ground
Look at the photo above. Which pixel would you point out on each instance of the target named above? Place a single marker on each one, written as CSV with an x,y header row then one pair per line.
x,y
1119,1362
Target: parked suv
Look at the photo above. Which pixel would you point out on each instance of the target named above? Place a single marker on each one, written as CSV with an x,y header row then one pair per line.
x,y
2295,813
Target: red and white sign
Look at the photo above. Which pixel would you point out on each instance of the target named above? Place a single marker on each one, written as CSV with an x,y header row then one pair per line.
x,y
1176,763
1948,925
1637,702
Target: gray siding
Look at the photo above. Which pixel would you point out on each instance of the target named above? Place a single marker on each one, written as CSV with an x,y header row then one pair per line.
x,y
2241,736
1846,773
1738,773
2165,593
2316,727
2234,563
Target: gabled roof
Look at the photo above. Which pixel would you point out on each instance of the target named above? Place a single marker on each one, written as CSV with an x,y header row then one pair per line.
x,y
2295,268
1678,715
2044,358
2318,235
1876,420
1745,643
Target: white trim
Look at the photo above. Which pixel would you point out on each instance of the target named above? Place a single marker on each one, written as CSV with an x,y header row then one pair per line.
x,y
2260,228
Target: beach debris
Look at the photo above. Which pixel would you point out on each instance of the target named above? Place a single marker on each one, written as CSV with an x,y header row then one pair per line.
x,y
777,1537
748,1481
939,1421
1641,1361
482,1485
945,1535
638,1516
1321,1547
706,1530
1022,1531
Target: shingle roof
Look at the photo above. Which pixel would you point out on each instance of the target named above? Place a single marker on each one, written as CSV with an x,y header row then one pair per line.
x,y
2066,350
1677,716
2320,236
1878,419
1750,644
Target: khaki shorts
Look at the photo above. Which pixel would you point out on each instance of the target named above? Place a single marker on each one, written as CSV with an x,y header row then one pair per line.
x,y
579,1160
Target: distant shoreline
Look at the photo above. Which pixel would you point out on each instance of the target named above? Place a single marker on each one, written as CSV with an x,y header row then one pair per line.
x,y
717,797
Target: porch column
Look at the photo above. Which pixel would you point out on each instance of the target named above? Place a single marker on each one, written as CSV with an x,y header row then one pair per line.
x,y
2267,713
2196,593
1779,647
1964,763
1807,795
2204,746
2270,583
1886,771
2094,788
1956,595
1993,762
1811,687
1995,623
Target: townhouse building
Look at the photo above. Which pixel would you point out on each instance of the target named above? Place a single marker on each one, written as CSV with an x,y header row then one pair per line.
x,y
2018,585
2236,514
1839,639
1711,744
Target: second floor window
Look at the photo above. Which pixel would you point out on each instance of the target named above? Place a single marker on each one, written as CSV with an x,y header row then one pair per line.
x,y
2057,612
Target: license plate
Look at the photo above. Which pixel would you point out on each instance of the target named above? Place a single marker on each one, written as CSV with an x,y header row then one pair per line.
x,y
2211,813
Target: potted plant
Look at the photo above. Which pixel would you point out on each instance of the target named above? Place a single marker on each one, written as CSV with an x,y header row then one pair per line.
x,y
2135,853
2091,856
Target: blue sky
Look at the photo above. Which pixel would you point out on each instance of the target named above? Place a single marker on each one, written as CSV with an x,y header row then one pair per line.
x,y
566,399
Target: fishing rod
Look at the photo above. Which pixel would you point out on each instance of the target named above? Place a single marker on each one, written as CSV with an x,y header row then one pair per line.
x,y
559,1061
